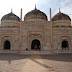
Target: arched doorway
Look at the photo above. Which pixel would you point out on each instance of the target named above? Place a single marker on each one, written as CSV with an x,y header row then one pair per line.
x,y
7,45
65,45
35,45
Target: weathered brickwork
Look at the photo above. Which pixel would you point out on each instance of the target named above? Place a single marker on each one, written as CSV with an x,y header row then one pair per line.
x,y
53,36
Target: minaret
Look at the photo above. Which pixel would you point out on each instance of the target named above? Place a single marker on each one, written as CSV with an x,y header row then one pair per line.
x,y
50,29
50,14
20,31
20,25
21,15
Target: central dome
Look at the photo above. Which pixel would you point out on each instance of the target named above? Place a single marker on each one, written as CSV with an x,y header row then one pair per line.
x,y
35,14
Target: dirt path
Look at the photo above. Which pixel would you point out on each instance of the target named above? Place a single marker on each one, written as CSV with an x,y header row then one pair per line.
x,y
34,64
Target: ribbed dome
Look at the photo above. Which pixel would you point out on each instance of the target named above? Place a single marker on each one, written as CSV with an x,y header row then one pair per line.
x,y
35,14
10,16
61,16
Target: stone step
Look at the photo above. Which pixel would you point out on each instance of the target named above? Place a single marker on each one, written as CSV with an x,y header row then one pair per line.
x,y
35,52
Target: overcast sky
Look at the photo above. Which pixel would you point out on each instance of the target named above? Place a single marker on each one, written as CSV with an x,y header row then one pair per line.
x,y
28,5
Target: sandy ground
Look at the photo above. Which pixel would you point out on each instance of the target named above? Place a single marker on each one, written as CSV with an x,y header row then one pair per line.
x,y
35,63
58,63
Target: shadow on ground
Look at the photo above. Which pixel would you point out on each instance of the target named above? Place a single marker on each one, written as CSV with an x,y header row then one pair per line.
x,y
11,57
41,64
59,57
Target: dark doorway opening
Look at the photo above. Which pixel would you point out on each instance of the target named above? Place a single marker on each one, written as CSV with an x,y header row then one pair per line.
x,y
65,45
35,45
7,45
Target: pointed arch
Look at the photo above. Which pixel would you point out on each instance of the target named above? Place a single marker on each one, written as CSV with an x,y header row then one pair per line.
x,y
35,45
65,44
6,45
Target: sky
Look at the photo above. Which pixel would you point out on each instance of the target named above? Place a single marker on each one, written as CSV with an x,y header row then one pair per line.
x,y
28,5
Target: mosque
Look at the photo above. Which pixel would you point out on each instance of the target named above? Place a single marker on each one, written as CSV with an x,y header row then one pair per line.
x,y
35,34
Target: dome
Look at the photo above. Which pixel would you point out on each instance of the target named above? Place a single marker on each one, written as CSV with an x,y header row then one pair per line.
x,y
35,14
61,16
10,16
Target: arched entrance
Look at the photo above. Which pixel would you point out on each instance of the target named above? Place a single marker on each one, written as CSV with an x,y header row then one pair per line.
x,y
35,45
7,45
65,45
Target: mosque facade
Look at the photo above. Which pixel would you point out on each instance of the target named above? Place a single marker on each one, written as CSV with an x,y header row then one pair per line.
x,y
35,34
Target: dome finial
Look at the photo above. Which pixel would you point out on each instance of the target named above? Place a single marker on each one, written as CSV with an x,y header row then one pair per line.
x,y
35,7
11,10
59,10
